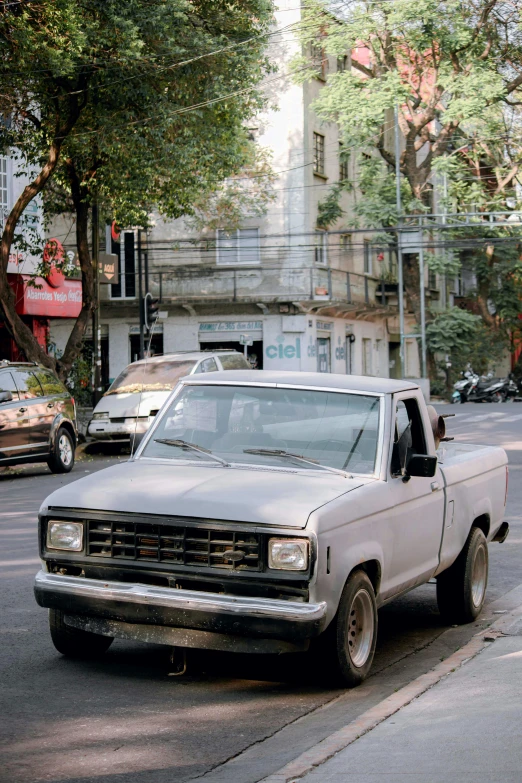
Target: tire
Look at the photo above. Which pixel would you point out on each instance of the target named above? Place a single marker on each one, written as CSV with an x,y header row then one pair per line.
x,y
61,459
349,642
461,590
73,642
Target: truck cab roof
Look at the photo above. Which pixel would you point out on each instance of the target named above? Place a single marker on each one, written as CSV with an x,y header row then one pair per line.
x,y
357,383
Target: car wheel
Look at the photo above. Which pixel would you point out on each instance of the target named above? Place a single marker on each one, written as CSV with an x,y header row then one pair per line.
x,y
73,642
61,459
461,589
350,641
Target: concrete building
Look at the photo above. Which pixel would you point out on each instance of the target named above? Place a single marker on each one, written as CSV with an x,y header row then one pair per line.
x,y
307,299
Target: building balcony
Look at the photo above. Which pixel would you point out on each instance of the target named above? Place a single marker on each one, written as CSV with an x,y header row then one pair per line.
x,y
311,286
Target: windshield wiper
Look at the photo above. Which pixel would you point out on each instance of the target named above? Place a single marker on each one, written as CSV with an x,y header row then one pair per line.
x,y
186,446
298,457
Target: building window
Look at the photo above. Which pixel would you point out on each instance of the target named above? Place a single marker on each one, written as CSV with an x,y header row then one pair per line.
x,y
343,163
321,248
432,280
366,356
238,247
125,248
343,63
318,154
320,61
4,201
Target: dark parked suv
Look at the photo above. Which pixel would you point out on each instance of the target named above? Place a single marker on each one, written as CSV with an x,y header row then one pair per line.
x,y
37,417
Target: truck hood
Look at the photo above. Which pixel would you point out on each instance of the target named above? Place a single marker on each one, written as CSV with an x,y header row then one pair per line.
x,y
256,496
127,405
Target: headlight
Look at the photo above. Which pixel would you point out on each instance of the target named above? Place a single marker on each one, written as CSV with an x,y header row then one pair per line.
x,y
288,554
100,415
65,535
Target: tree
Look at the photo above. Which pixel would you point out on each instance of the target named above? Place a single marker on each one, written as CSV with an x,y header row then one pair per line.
x,y
452,68
459,338
138,104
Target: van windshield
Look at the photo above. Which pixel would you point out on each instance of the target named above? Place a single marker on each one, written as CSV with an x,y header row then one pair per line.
x,y
153,376
335,429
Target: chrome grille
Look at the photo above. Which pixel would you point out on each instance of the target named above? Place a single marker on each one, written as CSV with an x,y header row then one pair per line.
x,y
190,546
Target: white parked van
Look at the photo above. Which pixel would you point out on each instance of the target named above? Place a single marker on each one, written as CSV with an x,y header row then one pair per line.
x,y
137,394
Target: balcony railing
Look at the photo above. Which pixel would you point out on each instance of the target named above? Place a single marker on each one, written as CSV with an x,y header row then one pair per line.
x,y
186,285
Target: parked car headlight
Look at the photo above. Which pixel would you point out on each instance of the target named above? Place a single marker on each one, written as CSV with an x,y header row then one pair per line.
x,y
104,415
65,535
288,554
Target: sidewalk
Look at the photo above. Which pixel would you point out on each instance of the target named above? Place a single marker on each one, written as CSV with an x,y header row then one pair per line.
x,y
459,723
467,729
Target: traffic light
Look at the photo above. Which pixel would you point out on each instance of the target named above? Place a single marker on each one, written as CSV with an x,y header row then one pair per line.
x,y
150,310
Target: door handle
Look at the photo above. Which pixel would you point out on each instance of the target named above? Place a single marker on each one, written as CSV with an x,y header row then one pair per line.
x,y
50,404
434,486
22,410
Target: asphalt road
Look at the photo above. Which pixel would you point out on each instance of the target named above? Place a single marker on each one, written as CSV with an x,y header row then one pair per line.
x,y
124,719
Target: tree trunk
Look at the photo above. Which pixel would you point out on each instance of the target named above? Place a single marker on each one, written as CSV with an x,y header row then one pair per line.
x,y
75,341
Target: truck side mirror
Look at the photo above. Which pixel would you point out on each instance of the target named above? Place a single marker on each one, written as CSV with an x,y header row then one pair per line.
x,y
5,396
422,465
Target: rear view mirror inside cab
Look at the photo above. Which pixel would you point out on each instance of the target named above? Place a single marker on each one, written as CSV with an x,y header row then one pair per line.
x,y
422,465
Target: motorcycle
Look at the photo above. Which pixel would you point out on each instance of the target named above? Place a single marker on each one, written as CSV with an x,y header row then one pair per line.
x,y
473,388
461,388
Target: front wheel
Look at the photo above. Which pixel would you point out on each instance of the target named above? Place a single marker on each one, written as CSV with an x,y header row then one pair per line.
x,y
73,642
461,589
61,458
350,643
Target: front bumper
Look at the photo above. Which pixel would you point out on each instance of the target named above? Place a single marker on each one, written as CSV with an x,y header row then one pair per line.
x,y
105,429
190,609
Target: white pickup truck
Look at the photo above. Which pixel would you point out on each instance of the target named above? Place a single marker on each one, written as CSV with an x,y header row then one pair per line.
x,y
271,511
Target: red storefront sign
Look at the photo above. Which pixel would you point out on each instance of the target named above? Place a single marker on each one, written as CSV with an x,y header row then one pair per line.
x,y
61,300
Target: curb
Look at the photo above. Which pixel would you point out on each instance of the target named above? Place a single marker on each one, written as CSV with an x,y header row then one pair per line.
x,y
340,739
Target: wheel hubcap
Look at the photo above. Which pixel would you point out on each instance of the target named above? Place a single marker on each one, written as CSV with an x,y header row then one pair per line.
x,y
480,570
65,449
360,628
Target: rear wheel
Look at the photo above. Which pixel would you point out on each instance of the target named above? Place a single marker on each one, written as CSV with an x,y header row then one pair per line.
x,y
61,459
349,644
461,590
73,642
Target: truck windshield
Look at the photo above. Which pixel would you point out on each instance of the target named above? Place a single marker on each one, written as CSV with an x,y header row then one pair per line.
x,y
152,376
332,428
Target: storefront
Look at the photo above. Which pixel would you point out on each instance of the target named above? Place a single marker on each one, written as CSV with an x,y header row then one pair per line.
x,y
243,336
38,300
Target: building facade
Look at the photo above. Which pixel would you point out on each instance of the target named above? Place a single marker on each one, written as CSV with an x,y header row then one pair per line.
x,y
301,297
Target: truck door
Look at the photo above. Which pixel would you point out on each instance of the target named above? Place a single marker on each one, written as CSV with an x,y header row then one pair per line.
x,y
416,510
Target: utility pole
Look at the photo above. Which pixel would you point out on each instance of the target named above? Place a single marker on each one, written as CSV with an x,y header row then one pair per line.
x,y
399,235
96,329
140,298
422,300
